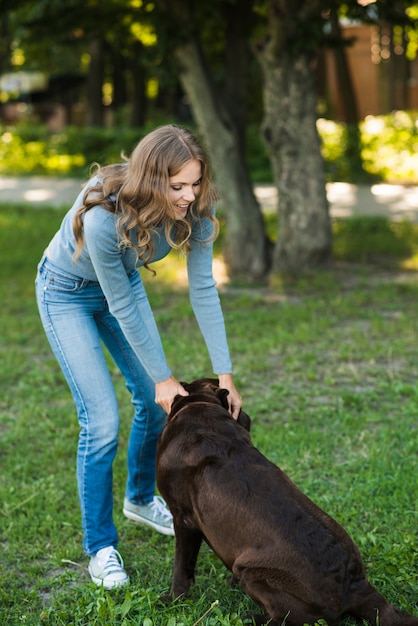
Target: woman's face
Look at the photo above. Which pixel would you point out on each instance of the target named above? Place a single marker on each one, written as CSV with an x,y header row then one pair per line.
x,y
184,187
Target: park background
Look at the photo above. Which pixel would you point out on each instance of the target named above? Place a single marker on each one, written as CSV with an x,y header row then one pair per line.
x,y
320,310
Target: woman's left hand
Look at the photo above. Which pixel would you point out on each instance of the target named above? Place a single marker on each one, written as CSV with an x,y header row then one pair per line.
x,y
166,391
234,397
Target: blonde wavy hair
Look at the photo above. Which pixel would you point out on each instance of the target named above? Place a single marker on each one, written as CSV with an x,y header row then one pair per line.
x,y
136,190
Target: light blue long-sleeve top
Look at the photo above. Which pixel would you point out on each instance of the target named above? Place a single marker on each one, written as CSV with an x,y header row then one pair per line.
x,y
105,261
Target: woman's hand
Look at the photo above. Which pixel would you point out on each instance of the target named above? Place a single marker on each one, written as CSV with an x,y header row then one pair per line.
x,y
234,398
166,391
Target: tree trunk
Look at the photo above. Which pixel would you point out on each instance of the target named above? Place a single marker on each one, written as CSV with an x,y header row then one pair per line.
x,y
120,95
246,246
138,74
289,130
237,55
95,84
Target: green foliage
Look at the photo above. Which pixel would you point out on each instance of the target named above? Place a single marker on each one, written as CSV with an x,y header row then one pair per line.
x,y
376,239
389,149
367,239
31,149
390,146
20,157
328,371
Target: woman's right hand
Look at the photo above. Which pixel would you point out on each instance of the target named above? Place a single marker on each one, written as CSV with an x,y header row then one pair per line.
x,y
166,391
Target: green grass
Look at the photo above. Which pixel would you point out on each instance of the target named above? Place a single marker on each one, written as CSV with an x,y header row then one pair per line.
x,y
328,370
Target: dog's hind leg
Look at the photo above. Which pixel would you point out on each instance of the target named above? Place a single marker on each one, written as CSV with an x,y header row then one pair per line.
x,y
282,607
188,543
266,597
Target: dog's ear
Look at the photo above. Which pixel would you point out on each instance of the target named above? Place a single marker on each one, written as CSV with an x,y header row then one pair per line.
x,y
244,420
222,395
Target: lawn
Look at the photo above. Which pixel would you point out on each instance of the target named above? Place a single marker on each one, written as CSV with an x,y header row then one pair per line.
x,y
328,371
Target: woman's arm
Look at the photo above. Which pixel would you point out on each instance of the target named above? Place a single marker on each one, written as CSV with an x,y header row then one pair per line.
x,y
131,309
206,305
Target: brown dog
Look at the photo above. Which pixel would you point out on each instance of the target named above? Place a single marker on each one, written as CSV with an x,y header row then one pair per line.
x,y
287,554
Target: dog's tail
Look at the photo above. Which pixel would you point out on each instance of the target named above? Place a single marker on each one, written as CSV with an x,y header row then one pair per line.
x,y
370,605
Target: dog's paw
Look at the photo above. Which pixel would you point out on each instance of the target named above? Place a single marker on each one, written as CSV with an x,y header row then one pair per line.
x,y
169,598
166,598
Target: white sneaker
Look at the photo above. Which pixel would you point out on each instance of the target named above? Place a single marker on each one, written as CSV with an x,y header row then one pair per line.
x,y
106,568
155,514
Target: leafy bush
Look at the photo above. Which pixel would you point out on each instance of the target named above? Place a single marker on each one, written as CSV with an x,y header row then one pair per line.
x,y
21,156
387,145
390,146
370,239
32,150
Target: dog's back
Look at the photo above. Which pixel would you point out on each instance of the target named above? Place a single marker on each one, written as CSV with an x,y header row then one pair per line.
x,y
288,555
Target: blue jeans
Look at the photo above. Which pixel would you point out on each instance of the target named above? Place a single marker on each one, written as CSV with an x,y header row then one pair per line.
x,y
77,321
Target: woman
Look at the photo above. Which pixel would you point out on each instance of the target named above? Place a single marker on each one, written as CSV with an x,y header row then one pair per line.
x,y
89,292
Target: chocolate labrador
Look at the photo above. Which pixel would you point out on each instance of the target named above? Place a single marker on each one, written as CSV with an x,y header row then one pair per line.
x,y
288,555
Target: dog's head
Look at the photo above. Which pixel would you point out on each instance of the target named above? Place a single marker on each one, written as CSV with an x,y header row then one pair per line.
x,y
206,390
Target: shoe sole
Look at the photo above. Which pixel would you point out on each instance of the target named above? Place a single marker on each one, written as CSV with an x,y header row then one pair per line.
x,y
100,582
143,520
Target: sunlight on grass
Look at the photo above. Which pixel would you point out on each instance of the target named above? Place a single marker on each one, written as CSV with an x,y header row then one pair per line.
x,y
172,271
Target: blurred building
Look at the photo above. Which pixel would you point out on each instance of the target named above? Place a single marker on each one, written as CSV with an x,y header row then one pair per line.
x,y
383,77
